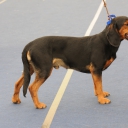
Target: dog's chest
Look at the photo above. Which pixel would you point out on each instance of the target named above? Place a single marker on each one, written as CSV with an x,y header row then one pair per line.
x,y
108,63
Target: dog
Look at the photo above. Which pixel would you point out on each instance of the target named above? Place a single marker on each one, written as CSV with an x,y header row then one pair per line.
x,y
89,54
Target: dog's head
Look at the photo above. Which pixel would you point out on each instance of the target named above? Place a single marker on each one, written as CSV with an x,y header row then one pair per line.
x,y
117,30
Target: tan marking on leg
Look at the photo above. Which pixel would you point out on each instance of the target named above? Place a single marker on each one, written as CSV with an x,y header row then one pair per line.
x,y
98,87
91,68
34,90
18,85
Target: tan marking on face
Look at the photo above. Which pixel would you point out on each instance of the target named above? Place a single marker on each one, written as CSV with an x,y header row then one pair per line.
x,y
59,62
123,30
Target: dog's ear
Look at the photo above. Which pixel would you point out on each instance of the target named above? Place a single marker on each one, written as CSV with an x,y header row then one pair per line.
x,y
112,35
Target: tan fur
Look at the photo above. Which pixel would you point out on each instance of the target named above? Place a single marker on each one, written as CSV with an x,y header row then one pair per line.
x,y
59,62
98,87
28,56
108,62
18,85
123,30
34,91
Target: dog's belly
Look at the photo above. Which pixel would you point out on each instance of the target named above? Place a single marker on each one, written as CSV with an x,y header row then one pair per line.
x,y
59,62
83,70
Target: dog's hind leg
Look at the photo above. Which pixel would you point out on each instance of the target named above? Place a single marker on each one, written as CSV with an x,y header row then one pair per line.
x,y
33,88
18,85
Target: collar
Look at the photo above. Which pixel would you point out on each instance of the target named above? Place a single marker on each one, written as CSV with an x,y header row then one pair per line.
x,y
110,19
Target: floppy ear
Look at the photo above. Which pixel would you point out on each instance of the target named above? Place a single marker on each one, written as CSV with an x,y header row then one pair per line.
x,y
112,35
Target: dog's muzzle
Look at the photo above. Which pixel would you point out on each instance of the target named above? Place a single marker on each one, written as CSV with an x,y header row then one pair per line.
x,y
126,36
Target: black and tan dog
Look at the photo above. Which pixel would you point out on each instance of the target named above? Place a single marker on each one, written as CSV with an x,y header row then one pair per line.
x,y
91,54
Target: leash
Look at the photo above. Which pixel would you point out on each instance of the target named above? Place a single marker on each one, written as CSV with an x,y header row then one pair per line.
x,y
105,5
110,17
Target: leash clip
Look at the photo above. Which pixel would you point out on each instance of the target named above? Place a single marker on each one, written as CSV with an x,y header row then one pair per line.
x,y
110,19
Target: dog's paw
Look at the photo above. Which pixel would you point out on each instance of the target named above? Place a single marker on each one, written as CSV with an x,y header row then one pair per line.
x,y
106,94
41,106
16,100
104,101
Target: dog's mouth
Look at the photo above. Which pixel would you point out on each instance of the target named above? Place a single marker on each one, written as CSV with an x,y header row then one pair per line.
x,y
126,36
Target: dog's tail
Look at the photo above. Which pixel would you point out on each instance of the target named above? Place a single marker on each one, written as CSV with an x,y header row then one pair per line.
x,y
26,71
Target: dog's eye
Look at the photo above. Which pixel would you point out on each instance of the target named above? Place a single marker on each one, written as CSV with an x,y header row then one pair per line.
x,y
126,24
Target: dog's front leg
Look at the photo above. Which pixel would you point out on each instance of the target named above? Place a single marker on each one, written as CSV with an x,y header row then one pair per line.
x,y
97,79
